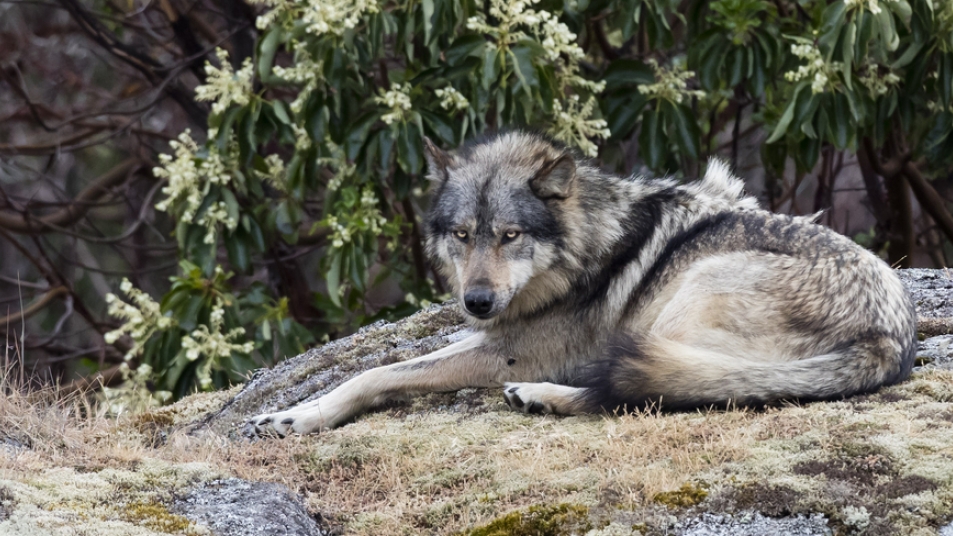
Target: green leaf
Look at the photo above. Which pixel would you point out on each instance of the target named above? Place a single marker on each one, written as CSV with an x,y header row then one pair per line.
x,y
847,56
333,277
266,53
945,79
491,66
357,135
841,121
888,31
787,116
462,47
907,56
427,8
627,72
410,148
832,24
737,66
622,112
281,112
237,248
523,67
440,126
686,128
652,142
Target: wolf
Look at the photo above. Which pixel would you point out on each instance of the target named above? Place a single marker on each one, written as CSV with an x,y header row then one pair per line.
x,y
588,292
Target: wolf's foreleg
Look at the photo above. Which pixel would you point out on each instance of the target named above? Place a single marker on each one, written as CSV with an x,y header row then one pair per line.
x,y
467,363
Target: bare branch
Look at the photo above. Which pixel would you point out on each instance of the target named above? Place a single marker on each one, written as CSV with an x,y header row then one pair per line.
x,y
34,307
80,205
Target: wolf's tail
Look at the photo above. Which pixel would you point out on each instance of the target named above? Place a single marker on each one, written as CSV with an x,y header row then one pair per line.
x,y
657,372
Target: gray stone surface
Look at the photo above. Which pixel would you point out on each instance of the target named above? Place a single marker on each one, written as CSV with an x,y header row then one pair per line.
x,y
752,524
235,507
932,291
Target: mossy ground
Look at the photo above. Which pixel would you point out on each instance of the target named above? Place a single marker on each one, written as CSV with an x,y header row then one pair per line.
x,y
461,463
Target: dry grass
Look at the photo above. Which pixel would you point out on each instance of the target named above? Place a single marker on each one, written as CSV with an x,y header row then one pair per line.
x,y
882,463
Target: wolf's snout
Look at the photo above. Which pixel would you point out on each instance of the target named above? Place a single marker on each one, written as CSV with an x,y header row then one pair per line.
x,y
479,301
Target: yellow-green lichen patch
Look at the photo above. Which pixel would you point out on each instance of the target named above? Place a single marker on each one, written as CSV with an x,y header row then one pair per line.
x,y
558,520
687,495
155,516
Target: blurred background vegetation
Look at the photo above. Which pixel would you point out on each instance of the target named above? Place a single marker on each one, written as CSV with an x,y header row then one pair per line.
x,y
190,190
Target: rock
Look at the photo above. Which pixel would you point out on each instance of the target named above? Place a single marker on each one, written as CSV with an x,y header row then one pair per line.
x,y
752,524
235,507
317,371
931,290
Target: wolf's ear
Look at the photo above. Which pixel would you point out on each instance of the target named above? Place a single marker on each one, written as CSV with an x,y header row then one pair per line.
x,y
555,178
438,161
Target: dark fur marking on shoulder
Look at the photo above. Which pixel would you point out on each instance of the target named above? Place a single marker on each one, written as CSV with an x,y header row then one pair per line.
x,y
638,227
511,361
289,420
685,238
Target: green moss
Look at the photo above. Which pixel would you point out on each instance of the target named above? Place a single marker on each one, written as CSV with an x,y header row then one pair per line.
x,y
155,516
560,520
687,495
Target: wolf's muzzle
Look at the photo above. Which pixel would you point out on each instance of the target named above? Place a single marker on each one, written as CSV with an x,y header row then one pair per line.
x,y
479,301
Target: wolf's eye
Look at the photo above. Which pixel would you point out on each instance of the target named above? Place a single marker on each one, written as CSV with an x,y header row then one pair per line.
x,y
461,235
510,236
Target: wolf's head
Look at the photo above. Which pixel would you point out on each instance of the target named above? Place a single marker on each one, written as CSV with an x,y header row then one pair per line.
x,y
494,220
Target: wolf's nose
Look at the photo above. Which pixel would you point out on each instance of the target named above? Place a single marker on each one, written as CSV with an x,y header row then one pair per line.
x,y
479,301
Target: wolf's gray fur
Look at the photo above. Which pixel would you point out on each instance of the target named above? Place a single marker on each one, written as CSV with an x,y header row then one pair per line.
x,y
590,292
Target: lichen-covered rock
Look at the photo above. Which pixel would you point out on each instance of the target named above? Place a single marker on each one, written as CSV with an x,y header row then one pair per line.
x,y
235,507
752,524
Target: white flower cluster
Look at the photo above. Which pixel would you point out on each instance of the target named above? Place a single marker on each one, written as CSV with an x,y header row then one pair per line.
x,y
877,84
574,126
451,99
224,85
553,35
305,71
190,183
872,5
142,317
183,175
302,139
670,84
366,217
397,99
339,163
213,343
509,14
276,172
319,16
215,215
557,39
518,21
821,71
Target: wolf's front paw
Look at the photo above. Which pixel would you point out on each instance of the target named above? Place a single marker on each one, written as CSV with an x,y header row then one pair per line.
x,y
283,423
526,397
